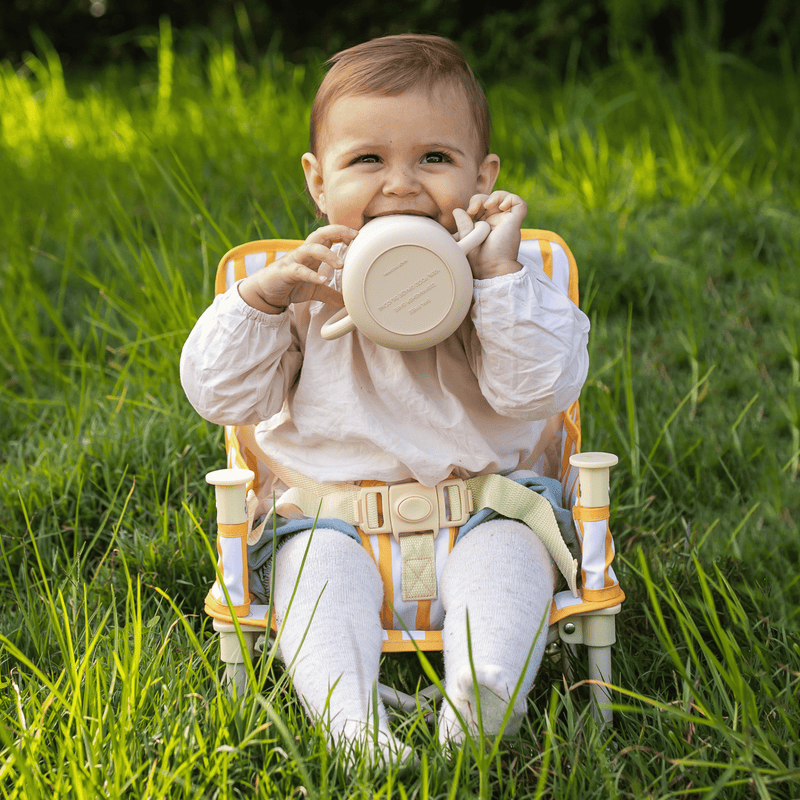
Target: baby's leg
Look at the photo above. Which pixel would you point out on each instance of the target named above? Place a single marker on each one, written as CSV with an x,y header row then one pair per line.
x,y
331,640
503,575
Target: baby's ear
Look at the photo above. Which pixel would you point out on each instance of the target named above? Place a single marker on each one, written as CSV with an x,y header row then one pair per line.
x,y
314,181
487,173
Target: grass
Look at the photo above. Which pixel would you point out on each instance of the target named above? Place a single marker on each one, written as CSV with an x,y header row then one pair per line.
x,y
678,194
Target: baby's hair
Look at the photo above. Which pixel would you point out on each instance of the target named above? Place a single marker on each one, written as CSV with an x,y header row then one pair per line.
x,y
392,65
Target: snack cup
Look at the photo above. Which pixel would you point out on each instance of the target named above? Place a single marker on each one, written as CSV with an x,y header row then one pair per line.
x,y
406,282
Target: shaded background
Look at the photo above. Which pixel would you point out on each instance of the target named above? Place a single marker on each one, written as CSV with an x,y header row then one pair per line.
x,y
501,39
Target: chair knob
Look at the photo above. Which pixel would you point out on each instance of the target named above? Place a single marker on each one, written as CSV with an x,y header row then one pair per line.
x,y
594,469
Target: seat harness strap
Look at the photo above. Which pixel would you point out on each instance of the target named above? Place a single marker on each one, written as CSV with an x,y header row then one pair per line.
x,y
414,514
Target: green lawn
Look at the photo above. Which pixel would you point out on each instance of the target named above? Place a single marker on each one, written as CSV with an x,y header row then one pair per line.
x,y
678,193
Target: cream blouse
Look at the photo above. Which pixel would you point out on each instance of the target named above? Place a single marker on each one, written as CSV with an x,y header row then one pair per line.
x,y
350,409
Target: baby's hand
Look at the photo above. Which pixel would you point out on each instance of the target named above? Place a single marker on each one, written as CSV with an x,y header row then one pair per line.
x,y
294,277
505,213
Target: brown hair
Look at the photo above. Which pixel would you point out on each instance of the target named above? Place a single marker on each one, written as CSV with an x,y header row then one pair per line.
x,y
392,65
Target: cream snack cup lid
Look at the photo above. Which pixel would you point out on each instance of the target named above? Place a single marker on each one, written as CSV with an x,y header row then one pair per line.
x,y
406,282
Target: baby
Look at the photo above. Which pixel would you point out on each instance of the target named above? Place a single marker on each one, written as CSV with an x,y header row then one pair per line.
x,y
399,126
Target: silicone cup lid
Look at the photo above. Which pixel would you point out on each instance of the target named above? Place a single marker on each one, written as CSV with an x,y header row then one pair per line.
x,y
406,282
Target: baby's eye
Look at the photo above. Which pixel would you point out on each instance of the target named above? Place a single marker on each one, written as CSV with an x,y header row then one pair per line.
x,y
436,158
367,158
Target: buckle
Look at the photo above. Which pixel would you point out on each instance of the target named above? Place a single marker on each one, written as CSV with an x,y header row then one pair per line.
x,y
455,503
370,510
413,508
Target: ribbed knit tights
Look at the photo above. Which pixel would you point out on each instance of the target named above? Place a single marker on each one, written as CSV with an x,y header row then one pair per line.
x,y
501,577
500,574
331,641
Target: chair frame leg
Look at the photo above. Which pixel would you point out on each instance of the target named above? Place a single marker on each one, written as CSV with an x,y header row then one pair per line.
x,y
424,699
596,630
234,655
569,657
600,670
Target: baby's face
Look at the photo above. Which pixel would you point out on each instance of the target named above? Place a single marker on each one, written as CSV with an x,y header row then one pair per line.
x,y
415,153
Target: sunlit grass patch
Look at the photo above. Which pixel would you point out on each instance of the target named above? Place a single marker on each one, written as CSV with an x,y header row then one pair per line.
x,y
678,195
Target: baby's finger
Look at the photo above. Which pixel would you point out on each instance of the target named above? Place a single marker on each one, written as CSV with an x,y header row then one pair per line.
x,y
330,234
318,288
476,204
305,283
311,255
497,199
464,223
505,202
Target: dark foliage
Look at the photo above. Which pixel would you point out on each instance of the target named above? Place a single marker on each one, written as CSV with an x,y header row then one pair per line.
x,y
506,37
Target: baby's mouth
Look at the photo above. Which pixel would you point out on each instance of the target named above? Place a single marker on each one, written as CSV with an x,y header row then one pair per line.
x,y
401,213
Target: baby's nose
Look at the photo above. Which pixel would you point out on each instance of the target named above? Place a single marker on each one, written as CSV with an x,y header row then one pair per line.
x,y
400,181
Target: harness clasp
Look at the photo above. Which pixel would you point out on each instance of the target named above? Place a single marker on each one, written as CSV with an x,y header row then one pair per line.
x,y
413,508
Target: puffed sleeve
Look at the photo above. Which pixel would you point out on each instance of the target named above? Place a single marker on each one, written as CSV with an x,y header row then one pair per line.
x,y
529,347
239,363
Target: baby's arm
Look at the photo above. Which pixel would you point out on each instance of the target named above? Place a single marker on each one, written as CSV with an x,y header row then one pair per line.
x,y
294,277
529,348
238,363
505,213
242,356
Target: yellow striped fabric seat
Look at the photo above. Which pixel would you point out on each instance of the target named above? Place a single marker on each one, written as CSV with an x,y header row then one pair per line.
x,y
409,625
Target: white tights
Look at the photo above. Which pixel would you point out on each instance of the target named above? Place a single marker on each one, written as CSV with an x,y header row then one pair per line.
x,y
502,576
500,573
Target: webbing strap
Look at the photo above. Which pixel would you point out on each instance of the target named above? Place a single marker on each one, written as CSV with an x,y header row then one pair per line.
x,y
589,513
418,560
340,505
232,531
517,502
418,567
488,491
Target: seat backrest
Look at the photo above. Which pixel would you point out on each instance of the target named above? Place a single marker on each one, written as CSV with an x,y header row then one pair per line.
x,y
561,437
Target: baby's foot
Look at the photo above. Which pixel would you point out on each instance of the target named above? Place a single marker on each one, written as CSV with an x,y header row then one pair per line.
x,y
390,750
382,749
495,688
